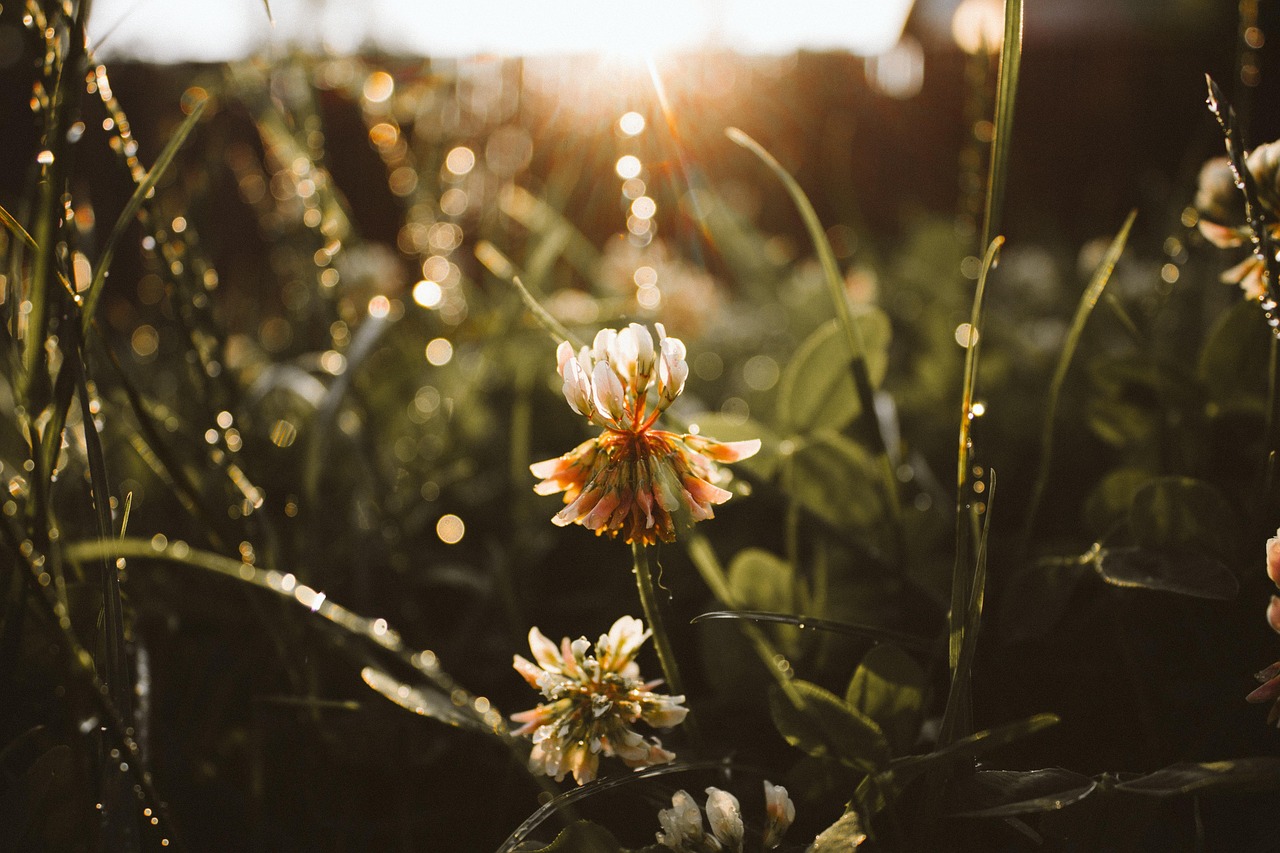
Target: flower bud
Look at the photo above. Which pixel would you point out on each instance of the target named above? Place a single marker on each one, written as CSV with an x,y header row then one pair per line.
x,y
1273,558
725,818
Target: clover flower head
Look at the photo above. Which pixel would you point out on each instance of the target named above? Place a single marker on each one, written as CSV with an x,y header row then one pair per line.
x,y
634,479
1219,203
592,702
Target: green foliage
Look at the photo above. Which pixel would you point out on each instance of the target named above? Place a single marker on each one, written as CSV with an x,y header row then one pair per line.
x,y
1174,513
825,725
836,479
1006,793
888,688
817,390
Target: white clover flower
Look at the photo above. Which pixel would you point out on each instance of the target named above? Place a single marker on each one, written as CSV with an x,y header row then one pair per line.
x,y
633,479
593,701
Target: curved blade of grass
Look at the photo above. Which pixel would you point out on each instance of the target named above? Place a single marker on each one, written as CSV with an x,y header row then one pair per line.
x,y
425,703
94,292
962,576
15,227
957,718
1006,92
835,285
1092,293
599,786
96,694
375,631
713,575
117,662
850,629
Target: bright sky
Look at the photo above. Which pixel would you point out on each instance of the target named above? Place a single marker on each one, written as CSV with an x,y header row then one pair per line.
x,y
181,30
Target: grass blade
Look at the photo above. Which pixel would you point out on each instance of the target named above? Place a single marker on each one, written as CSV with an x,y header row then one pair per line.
x,y
375,631
962,577
957,718
1006,92
869,632
117,663
131,208
1092,293
835,284
14,226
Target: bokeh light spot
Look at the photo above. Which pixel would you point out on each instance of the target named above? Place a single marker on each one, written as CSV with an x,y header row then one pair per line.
x,y
450,529
628,166
439,351
427,293
631,123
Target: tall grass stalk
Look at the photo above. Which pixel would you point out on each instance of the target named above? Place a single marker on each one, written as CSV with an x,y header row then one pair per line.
x,y
853,335
1088,300
1006,95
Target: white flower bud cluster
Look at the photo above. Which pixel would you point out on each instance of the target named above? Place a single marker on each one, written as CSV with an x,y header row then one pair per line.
x,y
609,382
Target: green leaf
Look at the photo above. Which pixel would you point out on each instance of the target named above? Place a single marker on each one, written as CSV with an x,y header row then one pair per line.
x,y
1174,513
1108,504
817,388
888,687
842,836
835,478
1120,423
583,837
825,725
1229,361
1242,774
761,581
1186,572
1005,793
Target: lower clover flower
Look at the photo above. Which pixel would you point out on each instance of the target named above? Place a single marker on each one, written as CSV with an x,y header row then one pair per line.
x,y
1219,202
633,479
682,823
593,700
1270,677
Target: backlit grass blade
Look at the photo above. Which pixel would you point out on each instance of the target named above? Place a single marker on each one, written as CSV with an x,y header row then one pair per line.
x,y
15,227
375,631
1006,92
140,195
957,718
835,285
116,656
961,580
1092,294
849,629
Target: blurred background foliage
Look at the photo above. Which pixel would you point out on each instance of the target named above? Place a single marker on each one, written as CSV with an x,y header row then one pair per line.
x,y
308,359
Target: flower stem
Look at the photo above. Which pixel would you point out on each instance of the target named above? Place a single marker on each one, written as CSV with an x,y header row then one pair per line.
x,y
653,613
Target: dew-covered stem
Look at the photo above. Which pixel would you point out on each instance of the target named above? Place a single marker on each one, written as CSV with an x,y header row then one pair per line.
x,y
653,613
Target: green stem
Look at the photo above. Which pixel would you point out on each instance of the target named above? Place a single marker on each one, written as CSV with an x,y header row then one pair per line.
x,y
653,613
1272,433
